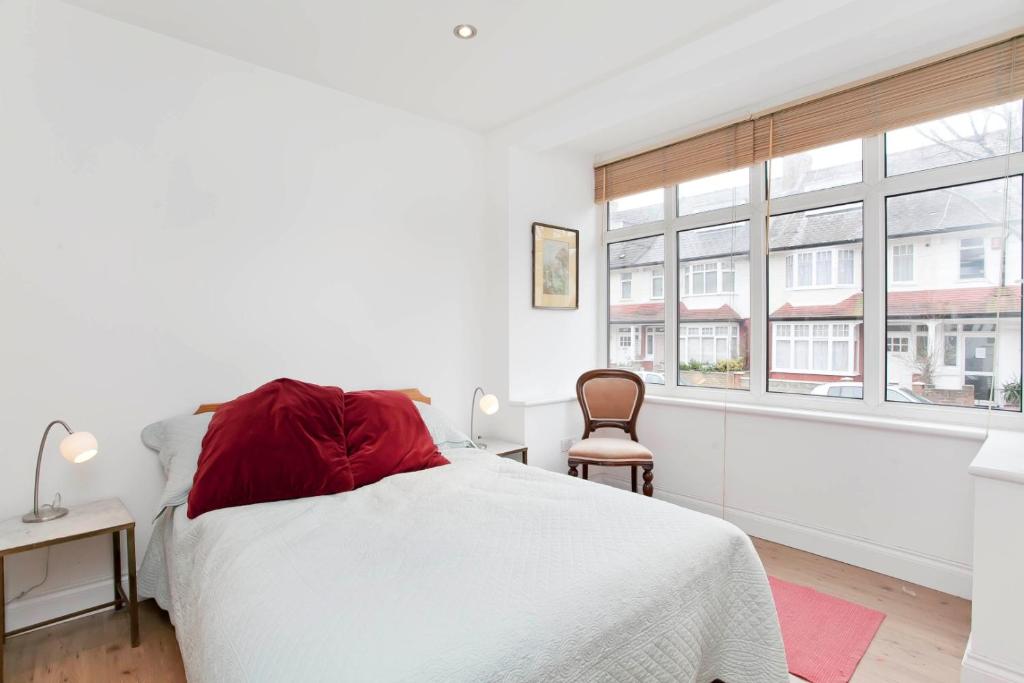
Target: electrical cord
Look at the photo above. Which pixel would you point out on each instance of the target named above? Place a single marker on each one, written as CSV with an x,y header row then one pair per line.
x,y
46,570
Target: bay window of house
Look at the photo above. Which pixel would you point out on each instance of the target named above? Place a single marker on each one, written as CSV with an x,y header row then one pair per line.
x,y
815,299
966,317
939,204
636,311
714,306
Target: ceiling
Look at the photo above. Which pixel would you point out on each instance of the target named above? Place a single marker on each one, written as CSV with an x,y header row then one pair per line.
x,y
402,52
605,77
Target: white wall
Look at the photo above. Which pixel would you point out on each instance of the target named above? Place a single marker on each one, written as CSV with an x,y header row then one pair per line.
x,y
892,497
549,349
180,227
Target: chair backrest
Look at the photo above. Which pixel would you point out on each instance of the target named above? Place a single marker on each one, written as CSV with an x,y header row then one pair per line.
x,y
610,398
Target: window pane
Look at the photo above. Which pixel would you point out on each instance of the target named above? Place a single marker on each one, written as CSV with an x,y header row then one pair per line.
x,y
714,192
979,134
715,322
846,258
817,169
823,268
636,324
903,263
636,209
806,269
964,306
823,316
972,258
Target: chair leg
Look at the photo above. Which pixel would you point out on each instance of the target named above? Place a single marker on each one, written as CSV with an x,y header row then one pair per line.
x,y
648,479
632,476
586,471
572,470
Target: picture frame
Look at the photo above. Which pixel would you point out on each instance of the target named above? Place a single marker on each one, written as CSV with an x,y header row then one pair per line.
x,y
556,267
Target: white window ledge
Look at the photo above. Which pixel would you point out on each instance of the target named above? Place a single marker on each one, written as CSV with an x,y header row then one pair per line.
x,y
953,431
868,421
1001,457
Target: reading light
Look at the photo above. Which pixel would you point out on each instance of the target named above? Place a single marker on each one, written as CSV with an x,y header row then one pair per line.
x,y
465,31
76,447
488,406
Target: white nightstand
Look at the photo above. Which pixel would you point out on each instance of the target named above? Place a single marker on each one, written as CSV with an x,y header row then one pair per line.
x,y
82,521
503,448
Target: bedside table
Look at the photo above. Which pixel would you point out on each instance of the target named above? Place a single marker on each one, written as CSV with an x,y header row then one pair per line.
x,y
503,448
82,521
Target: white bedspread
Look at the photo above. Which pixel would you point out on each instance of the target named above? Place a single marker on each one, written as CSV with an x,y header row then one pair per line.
x,y
484,570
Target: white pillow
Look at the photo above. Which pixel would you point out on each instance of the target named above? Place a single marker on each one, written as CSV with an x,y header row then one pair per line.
x,y
442,430
177,442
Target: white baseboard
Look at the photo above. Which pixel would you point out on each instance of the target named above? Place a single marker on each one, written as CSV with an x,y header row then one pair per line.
x,y
35,608
979,669
932,572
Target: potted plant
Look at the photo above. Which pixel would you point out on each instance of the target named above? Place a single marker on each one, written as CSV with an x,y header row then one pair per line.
x,y
1011,392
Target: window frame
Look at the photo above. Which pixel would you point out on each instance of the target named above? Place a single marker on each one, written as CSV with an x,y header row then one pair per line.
x,y
960,253
873,190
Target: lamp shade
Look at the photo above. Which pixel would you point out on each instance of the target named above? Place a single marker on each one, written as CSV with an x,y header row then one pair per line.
x,y
489,404
78,447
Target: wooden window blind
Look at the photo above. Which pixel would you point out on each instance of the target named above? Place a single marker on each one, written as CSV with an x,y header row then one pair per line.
x,y
982,77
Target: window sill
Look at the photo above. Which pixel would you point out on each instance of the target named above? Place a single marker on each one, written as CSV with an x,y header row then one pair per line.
x,y
848,419
1000,458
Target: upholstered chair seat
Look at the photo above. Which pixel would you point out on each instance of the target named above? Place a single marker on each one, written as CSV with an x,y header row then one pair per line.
x,y
598,449
611,399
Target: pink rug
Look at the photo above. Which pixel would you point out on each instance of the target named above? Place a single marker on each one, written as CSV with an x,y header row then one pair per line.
x,y
825,637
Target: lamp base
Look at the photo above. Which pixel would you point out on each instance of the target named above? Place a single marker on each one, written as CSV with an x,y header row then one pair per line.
x,y
45,514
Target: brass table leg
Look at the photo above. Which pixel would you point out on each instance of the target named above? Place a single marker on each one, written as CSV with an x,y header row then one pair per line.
x,y
116,537
133,594
3,620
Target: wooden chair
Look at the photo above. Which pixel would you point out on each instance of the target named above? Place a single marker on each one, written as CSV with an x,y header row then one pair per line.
x,y
611,398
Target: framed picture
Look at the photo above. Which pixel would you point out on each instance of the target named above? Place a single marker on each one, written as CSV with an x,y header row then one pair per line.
x,y
556,267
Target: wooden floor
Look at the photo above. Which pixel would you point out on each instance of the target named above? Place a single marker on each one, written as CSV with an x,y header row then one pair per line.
x,y
922,638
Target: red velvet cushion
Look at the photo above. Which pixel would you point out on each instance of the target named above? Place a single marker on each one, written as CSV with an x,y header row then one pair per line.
x,y
283,440
386,435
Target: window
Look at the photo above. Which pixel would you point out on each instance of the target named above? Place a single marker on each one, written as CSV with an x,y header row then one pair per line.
x,y
944,331
823,267
720,191
823,348
978,134
948,229
817,169
972,258
897,344
636,329
626,285
903,263
717,277
712,329
814,338
805,269
637,209
820,268
846,259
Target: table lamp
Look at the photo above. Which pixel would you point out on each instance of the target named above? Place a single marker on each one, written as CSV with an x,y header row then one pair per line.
x,y
76,447
488,406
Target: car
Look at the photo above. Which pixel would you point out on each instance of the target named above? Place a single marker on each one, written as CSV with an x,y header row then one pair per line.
x,y
651,377
856,390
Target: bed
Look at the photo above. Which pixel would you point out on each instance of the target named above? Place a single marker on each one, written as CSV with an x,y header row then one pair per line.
x,y
482,570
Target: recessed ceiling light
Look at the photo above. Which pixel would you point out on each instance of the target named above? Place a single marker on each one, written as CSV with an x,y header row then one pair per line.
x,y
465,31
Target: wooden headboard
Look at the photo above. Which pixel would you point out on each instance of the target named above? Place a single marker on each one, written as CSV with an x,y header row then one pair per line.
x,y
414,394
